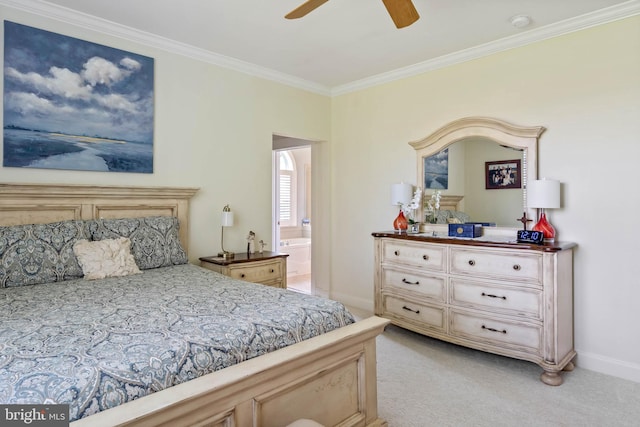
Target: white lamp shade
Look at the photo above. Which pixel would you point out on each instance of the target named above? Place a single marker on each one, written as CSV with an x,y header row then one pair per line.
x,y
227,219
401,194
543,193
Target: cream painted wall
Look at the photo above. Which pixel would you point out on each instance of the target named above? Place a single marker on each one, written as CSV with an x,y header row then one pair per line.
x,y
584,88
213,130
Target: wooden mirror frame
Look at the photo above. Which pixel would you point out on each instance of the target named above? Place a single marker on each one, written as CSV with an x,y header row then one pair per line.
x,y
520,137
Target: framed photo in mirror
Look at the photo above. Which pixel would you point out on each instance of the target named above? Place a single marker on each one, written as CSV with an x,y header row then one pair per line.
x,y
503,174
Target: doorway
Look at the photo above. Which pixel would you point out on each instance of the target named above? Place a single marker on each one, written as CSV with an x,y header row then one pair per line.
x,y
292,196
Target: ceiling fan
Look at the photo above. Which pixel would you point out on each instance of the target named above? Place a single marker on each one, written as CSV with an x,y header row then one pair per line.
x,y
402,12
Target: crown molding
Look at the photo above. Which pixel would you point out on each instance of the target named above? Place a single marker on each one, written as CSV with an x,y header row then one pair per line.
x,y
599,17
93,23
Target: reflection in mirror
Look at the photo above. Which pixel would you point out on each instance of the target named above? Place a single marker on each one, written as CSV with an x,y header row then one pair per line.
x,y
460,170
465,147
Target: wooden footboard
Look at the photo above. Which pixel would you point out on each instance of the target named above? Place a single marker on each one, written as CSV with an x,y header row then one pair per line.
x,y
330,379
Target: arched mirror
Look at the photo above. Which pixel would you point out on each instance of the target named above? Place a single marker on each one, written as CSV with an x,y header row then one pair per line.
x,y
488,164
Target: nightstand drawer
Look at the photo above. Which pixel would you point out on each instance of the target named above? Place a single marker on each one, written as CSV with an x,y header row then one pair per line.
x,y
268,268
259,271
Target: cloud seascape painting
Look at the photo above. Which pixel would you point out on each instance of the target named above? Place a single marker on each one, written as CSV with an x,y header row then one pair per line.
x,y
73,104
436,170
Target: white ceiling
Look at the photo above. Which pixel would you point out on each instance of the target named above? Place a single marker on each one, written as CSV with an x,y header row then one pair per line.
x,y
342,45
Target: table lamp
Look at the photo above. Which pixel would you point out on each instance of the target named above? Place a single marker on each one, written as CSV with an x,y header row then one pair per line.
x,y
401,195
227,221
544,194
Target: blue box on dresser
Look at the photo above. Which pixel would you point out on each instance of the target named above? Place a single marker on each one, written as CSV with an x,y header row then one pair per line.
x,y
465,230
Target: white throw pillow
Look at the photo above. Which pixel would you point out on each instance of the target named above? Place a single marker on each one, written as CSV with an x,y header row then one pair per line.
x,y
105,258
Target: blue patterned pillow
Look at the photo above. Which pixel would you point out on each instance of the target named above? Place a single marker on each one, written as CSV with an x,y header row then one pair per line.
x,y
40,253
154,240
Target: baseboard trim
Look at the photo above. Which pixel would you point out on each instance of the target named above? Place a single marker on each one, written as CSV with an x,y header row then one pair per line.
x,y
349,300
609,366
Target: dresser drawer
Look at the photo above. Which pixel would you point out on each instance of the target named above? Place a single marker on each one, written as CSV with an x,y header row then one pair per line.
x,y
492,330
430,286
503,265
515,300
258,272
418,313
420,255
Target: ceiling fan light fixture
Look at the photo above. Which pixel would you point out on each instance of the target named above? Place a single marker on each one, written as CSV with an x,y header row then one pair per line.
x,y
402,12
520,21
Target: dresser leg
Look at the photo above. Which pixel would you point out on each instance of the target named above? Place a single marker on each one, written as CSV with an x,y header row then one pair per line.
x,y
551,378
569,367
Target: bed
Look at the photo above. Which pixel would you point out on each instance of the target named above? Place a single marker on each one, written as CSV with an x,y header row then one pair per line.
x,y
256,373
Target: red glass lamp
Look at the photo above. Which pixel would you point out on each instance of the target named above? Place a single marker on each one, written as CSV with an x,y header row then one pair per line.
x,y
544,194
401,196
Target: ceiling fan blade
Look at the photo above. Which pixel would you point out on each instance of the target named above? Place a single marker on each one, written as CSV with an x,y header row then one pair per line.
x,y
403,12
305,8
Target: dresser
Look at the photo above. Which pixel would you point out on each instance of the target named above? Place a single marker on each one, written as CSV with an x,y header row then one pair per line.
x,y
268,268
512,299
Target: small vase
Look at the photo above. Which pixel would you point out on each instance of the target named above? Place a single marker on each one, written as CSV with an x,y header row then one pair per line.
x,y
545,226
400,223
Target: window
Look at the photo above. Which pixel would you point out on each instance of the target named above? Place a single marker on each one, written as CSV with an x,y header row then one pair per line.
x,y
287,189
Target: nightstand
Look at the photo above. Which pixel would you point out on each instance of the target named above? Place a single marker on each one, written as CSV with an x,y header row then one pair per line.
x,y
268,268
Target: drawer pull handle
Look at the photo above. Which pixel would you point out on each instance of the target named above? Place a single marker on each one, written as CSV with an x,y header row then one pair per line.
x,y
242,275
516,267
272,270
493,296
425,257
397,253
404,307
410,283
472,262
504,331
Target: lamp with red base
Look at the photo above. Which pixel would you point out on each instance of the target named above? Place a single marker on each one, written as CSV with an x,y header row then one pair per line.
x,y
401,196
544,194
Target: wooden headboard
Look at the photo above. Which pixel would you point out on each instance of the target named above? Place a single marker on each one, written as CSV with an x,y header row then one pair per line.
x,y
42,203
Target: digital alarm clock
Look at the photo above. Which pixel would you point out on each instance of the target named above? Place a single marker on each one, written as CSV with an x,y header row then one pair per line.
x,y
529,236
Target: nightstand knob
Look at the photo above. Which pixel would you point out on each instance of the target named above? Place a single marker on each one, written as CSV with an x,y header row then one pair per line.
x,y
472,262
516,267
272,270
242,275
396,253
425,257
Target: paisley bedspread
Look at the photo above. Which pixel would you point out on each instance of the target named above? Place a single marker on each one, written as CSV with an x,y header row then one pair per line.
x,y
97,344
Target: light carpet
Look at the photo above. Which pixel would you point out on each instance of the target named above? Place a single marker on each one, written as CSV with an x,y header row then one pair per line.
x,y
427,382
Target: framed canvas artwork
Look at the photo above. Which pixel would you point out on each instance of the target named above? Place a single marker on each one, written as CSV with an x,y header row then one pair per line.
x,y
73,104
